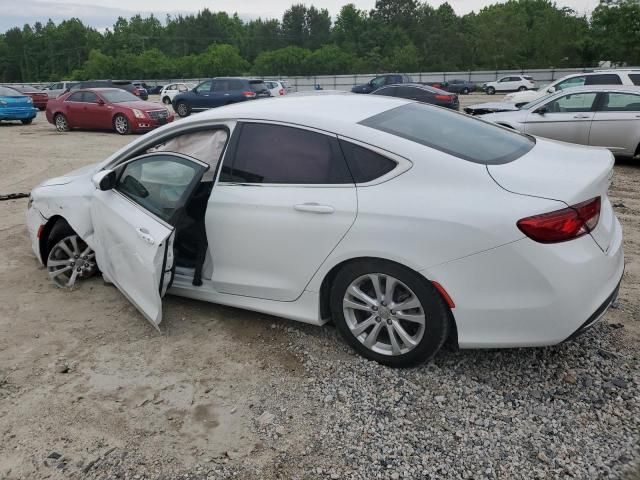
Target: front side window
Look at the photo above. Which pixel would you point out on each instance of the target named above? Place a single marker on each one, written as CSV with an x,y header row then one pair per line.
x,y
440,129
574,102
266,153
504,79
205,86
378,82
571,82
604,79
159,183
620,102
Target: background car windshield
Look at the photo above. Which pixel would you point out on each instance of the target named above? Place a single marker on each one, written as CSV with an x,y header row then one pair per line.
x,y
9,92
119,96
440,129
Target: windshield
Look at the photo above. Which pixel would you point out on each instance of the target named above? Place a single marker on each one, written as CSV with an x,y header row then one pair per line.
x,y
441,129
9,92
118,96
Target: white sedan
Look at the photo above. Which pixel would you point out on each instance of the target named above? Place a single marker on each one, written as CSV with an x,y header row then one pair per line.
x,y
371,211
169,91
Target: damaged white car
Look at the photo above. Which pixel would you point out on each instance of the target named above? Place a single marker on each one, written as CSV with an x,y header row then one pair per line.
x,y
373,211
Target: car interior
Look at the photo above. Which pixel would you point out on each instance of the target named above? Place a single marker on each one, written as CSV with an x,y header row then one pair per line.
x,y
190,245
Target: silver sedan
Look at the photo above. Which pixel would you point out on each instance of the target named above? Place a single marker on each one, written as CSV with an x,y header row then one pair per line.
x,y
598,115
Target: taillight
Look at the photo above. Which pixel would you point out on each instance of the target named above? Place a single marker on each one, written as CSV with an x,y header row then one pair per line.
x,y
249,94
281,91
562,225
444,98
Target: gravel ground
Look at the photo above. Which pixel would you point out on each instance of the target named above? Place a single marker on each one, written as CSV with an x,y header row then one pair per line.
x,y
88,390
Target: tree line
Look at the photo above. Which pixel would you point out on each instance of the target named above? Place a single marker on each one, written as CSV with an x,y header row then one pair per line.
x,y
396,35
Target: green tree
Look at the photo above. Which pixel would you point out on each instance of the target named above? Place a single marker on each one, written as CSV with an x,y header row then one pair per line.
x,y
284,61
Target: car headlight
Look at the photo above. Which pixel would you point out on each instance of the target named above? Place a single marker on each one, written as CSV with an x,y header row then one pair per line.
x,y
138,113
29,100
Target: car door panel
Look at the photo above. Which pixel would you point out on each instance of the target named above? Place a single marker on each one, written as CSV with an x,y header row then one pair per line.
x,y
616,125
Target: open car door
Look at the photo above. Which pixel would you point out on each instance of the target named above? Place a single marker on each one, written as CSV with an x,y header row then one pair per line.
x,y
134,211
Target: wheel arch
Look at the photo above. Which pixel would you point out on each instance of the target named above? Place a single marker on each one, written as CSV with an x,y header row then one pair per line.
x,y
329,277
54,222
637,153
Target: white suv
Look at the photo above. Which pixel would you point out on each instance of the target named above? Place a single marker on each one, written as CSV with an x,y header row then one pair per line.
x,y
509,83
169,91
601,77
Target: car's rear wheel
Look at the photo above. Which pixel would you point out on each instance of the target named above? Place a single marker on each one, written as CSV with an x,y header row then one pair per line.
x,y
121,125
491,90
70,258
183,109
389,313
27,121
61,123
522,89
465,91
166,100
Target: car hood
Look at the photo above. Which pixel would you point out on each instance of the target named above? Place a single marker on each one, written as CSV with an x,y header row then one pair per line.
x,y
140,105
83,172
490,107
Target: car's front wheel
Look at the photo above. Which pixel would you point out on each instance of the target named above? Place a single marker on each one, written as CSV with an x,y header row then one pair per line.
x,y
121,124
389,313
166,100
61,123
183,109
491,90
27,121
70,258
465,91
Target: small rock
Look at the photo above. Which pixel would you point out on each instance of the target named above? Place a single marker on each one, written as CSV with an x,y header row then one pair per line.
x,y
233,410
395,476
543,457
619,382
328,399
54,455
265,419
232,454
61,366
570,378
440,398
280,430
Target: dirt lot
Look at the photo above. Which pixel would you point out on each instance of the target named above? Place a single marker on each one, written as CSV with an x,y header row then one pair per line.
x,y
135,402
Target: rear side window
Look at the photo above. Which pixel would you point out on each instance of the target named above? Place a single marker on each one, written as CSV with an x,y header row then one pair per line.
x,y
364,164
386,91
89,97
75,97
635,78
266,153
440,129
604,79
620,102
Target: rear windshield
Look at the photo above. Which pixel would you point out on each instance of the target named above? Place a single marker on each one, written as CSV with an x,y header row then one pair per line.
x,y
118,96
453,133
9,92
635,78
257,86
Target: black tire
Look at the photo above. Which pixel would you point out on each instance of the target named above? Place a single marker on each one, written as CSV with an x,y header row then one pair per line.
x,y
166,100
436,311
522,89
183,109
121,124
491,90
27,121
61,122
465,91
60,230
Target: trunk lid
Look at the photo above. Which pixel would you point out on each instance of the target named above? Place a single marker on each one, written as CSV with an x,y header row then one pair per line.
x,y
18,101
564,172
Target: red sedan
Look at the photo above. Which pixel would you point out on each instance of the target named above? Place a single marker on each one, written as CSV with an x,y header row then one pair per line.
x,y
105,109
40,98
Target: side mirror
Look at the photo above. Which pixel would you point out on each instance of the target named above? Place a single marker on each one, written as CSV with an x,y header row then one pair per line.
x,y
541,110
551,89
104,180
100,102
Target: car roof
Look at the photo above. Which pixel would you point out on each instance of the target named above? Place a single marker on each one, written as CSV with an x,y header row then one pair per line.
x,y
332,112
98,89
602,88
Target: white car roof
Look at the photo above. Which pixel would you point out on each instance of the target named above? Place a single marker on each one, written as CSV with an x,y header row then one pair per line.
x,y
336,113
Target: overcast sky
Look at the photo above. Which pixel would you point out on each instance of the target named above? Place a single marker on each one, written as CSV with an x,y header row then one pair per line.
x,y
103,13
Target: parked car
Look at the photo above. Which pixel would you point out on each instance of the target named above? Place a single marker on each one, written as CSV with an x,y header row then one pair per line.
x,y
38,97
421,93
509,83
168,92
56,89
151,90
601,77
460,86
287,86
217,92
441,85
121,84
15,105
381,81
276,88
372,211
105,109
600,115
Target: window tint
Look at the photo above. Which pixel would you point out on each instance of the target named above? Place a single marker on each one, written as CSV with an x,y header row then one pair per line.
x,y
604,79
440,129
571,82
159,183
277,154
574,102
621,102
408,92
89,97
364,164
386,91
378,82
75,97
635,78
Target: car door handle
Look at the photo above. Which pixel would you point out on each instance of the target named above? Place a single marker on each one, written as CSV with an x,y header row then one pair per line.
x,y
582,116
144,234
314,208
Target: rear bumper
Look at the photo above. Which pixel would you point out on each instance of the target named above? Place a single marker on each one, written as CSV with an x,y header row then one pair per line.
x,y
529,294
23,113
597,315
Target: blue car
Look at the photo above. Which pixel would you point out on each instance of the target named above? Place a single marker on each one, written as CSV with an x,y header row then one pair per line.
x,y
217,92
16,106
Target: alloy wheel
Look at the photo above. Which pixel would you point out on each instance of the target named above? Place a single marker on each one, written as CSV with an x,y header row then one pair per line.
x,y
70,259
384,314
61,123
121,124
183,111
